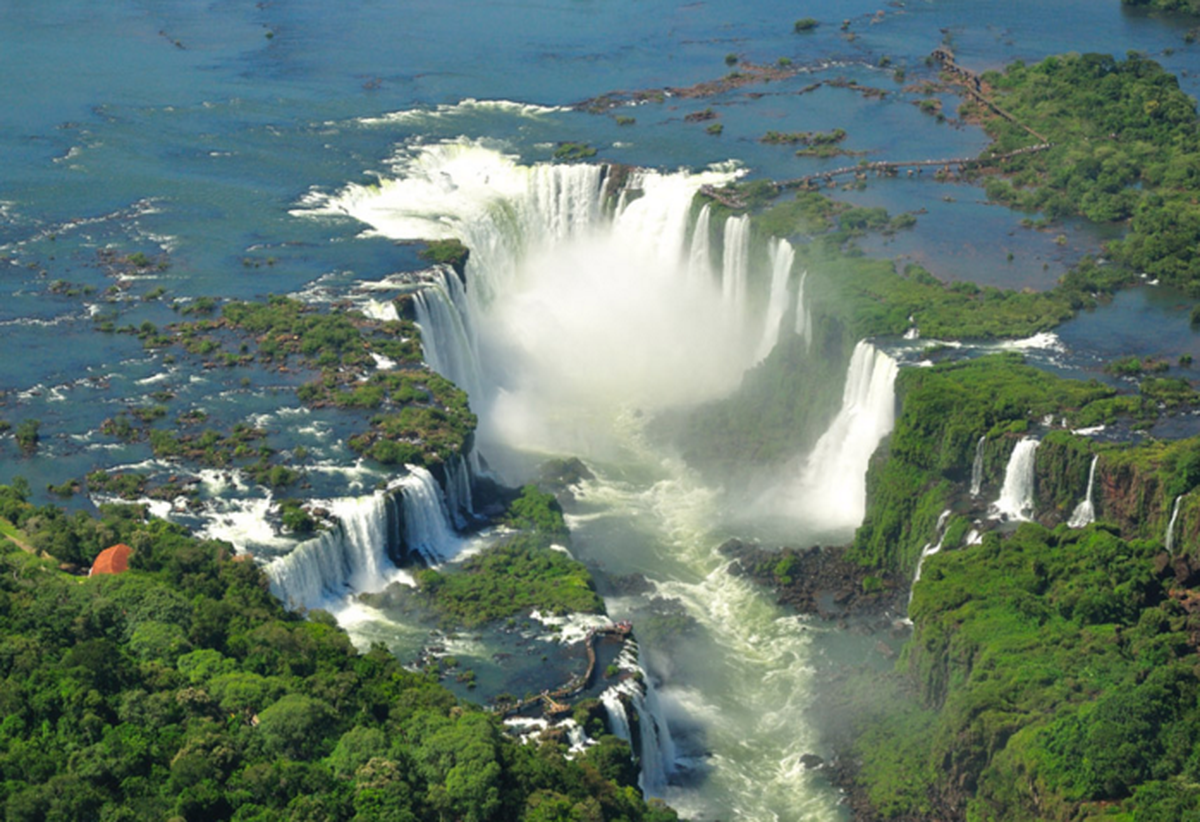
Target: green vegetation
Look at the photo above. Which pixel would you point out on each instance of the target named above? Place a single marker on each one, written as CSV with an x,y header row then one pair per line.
x,y
419,417
1125,148
214,449
1189,6
816,143
868,296
296,519
1051,673
1054,675
521,573
715,128
805,24
27,435
449,252
571,152
945,410
182,690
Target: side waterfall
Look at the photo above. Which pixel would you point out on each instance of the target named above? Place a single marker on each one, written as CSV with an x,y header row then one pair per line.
x,y
699,257
803,313
427,529
977,468
409,517
833,487
1016,496
1085,512
735,263
782,255
459,499
654,746
1170,539
351,556
929,550
447,340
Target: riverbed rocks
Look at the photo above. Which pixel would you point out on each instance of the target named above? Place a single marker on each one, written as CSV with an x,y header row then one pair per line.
x,y
817,580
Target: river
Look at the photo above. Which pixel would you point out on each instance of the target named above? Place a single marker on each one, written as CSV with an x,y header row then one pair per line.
x,y
295,149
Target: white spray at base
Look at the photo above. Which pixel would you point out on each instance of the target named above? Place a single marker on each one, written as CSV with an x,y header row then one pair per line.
x,y
1016,500
1085,512
830,490
577,307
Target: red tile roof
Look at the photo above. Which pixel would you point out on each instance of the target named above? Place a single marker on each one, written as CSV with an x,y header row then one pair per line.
x,y
114,560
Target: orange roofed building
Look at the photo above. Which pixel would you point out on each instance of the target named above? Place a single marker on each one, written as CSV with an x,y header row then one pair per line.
x,y
114,560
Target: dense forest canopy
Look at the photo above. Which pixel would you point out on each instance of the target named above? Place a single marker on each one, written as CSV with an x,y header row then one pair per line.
x,y
182,689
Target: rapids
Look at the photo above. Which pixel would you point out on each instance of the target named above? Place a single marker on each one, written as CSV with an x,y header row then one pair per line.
x,y
585,312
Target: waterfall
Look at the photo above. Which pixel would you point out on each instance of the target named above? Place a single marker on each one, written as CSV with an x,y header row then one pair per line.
x,y
459,500
699,258
929,550
832,488
803,313
351,556
1171,526
735,264
977,468
382,310
1016,496
654,746
1085,512
580,312
782,255
409,517
427,529
447,342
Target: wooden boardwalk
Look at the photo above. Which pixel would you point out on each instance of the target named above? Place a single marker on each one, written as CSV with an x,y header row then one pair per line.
x,y
552,701
892,167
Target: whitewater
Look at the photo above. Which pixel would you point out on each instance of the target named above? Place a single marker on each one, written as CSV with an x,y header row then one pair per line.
x,y
588,306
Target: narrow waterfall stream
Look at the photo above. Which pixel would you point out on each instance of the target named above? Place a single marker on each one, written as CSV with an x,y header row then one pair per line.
x,y
1085,512
977,468
1169,540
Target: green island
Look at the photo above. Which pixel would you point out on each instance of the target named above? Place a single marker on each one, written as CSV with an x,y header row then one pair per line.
x,y
410,414
521,572
1124,147
182,689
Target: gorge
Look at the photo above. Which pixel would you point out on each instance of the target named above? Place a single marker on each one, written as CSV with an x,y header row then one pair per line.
x,y
488,454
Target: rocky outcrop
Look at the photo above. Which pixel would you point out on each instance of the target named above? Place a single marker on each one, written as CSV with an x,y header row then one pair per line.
x,y
817,580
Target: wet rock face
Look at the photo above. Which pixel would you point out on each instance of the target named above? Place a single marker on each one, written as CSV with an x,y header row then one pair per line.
x,y
817,580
